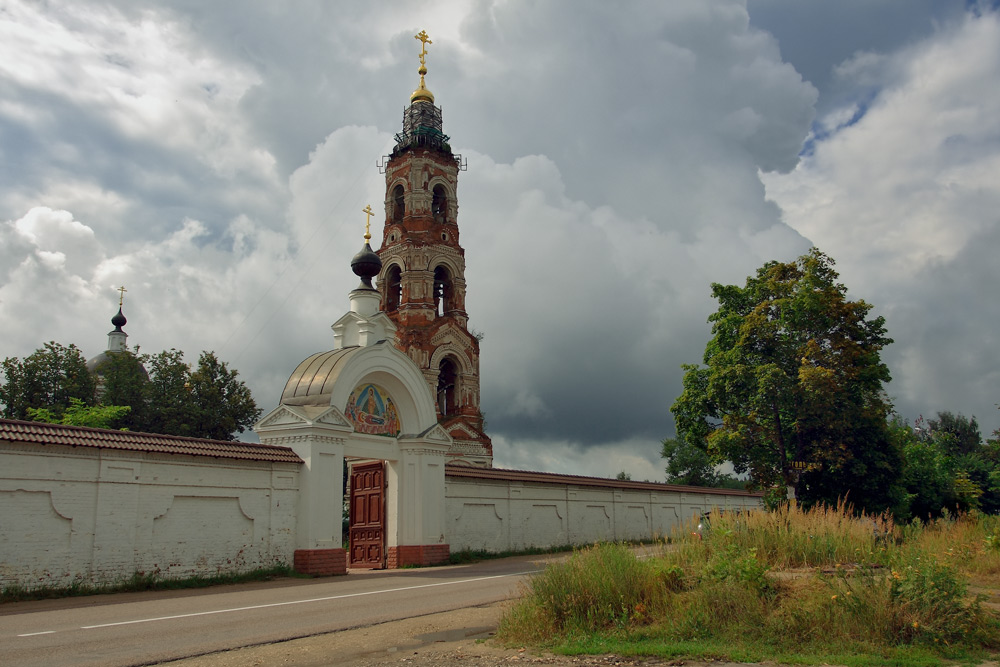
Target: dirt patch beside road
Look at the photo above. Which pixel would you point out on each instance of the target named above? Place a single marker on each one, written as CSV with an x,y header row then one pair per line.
x,y
457,638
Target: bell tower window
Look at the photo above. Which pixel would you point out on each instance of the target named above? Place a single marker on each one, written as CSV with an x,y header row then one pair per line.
x,y
446,393
443,291
393,289
398,207
439,203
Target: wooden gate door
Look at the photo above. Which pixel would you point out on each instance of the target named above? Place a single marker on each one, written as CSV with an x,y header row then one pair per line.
x,y
367,523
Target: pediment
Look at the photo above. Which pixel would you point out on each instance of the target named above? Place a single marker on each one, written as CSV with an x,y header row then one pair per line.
x,y
285,416
460,431
348,317
333,417
385,321
282,415
436,433
452,335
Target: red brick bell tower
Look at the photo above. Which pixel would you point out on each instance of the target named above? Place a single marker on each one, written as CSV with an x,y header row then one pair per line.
x,y
422,281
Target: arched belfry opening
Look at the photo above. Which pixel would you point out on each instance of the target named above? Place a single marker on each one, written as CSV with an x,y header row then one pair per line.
x,y
398,204
393,289
439,203
447,392
444,292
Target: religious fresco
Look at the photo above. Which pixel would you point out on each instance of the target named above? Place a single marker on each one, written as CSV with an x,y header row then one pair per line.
x,y
371,410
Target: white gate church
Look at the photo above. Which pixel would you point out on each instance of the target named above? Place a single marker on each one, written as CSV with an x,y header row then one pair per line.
x,y
396,398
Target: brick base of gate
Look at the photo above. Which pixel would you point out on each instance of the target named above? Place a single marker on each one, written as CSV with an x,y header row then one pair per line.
x,y
419,554
321,562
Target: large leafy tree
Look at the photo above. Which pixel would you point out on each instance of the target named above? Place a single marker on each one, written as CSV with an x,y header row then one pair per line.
x,y
157,393
223,404
168,394
208,402
691,465
791,387
124,382
948,467
47,378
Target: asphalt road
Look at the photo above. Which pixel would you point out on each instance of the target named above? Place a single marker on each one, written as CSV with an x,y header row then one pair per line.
x,y
149,628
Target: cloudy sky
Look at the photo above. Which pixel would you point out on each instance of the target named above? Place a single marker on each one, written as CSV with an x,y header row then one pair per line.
x,y
214,157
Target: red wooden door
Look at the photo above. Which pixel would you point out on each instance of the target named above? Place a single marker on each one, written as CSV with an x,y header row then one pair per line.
x,y
367,523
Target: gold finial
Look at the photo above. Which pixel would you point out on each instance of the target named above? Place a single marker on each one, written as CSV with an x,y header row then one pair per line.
x,y
121,296
368,221
421,93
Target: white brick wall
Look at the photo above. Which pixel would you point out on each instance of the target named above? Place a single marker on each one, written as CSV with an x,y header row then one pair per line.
x,y
501,515
100,515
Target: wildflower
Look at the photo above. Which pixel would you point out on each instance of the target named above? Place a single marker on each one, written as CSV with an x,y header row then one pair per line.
x,y
833,597
847,594
915,624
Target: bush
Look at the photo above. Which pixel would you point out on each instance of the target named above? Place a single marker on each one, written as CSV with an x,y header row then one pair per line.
x,y
598,588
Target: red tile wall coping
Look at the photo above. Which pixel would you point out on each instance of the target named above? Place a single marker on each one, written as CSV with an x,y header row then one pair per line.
x,y
320,562
470,472
417,554
40,433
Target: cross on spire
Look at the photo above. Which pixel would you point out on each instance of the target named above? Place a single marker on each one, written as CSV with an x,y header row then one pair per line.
x,y
368,221
424,41
121,296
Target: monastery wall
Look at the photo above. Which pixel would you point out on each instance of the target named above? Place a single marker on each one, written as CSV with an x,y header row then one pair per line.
x,y
500,510
101,515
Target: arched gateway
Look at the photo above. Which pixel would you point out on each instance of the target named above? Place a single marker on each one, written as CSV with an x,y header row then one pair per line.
x,y
364,401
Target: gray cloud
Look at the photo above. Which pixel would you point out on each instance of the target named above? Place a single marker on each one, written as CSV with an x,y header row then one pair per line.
x,y
220,157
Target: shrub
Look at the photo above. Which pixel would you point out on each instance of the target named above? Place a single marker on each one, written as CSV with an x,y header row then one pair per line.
x,y
598,588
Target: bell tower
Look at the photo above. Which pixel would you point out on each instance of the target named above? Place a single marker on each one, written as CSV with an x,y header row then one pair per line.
x,y
422,280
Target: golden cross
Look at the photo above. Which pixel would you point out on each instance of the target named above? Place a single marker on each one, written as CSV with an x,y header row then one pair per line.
x,y
424,41
368,221
121,297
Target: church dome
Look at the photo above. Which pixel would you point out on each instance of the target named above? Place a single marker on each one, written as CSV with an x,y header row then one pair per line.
x,y
119,320
366,265
312,381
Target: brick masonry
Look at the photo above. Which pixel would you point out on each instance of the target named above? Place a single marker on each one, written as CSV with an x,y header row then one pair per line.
x,y
418,554
321,562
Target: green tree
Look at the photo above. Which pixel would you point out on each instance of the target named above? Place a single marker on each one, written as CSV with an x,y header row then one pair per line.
x,y
168,394
927,476
956,433
223,404
47,378
78,414
793,374
690,465
125,382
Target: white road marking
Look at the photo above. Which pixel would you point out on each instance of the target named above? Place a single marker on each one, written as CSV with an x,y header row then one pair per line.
x,y
33,634
291,602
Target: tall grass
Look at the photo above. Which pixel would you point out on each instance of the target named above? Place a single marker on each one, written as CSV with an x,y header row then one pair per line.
x,y
768,585
599,588
791,537
969,542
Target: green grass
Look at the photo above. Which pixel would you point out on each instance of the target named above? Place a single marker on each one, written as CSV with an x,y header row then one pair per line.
x,y
466,556
143,581
792,586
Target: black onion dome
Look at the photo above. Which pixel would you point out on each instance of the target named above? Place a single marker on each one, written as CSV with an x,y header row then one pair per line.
x,y
366,264
119,320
